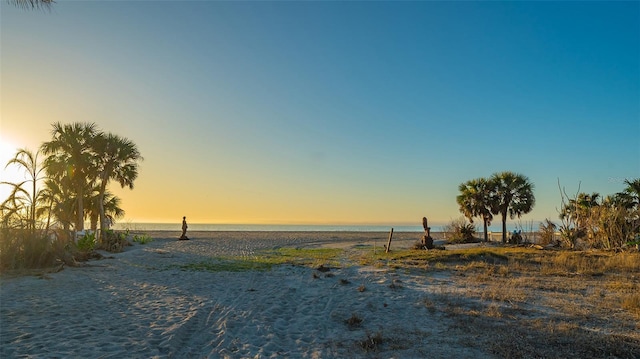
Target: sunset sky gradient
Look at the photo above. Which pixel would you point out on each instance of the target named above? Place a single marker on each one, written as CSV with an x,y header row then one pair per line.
x,y
332,112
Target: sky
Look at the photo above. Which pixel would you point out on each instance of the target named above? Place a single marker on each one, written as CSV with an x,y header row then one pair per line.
x,y
332,112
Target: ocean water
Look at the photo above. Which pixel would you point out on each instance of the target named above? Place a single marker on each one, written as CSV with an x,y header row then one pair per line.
x,y
265,227
291,227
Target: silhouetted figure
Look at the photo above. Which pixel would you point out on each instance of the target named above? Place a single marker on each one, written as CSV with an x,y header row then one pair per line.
x,y
516,237
184,229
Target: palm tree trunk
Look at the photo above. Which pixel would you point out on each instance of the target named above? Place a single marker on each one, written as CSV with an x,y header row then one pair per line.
x,y
46,231
504,228
80,217
486,235
103,220
94,223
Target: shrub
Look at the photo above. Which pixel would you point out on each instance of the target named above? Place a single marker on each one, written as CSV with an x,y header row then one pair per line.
x,y
87,243
354,321
613,226
372,343
547,231
142,238
113,241
459,230
22,249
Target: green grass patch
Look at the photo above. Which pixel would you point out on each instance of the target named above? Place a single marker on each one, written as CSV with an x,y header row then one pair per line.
x,y
142,238
461,255
266,260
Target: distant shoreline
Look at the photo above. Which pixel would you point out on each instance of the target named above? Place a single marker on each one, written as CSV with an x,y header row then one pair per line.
x,y
295,227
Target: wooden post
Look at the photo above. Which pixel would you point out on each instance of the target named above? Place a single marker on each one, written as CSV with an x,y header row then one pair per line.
x,y
387,248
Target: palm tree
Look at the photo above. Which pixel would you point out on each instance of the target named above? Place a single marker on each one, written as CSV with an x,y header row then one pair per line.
x,y
15,208
61,203
117,159
579,209
92,207
29,162
107,202
112,208
475,201
512,194
630,197
70,155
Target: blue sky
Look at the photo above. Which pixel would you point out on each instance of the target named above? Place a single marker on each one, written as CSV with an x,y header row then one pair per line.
x,y
333,112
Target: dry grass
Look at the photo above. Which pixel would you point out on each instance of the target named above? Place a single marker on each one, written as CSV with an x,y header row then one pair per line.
x,y
631,302
519,302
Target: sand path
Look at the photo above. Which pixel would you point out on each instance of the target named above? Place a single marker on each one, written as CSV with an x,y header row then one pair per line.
x,y
137,304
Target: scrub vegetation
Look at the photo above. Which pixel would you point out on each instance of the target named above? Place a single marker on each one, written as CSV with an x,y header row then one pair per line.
x,y
66,183
314,258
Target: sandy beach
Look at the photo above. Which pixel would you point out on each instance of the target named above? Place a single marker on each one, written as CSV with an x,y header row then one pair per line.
x,y
142,303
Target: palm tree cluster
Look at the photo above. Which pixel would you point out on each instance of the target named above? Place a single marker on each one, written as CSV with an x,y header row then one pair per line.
x,y
504,193
70,185
602,222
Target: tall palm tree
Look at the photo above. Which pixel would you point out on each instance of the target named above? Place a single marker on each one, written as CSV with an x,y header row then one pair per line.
x,y
29,162
71,156
475,201
117,159
512,195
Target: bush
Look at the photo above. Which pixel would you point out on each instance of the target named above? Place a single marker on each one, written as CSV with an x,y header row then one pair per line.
x,y
142,238
87,243
113,241
459,231
614,226
547,230
22,249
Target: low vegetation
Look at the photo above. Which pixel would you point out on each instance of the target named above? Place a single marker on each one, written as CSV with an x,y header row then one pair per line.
x,y
593,221
552,262
459,231
142,238
571,304
23,249
354,321
319,258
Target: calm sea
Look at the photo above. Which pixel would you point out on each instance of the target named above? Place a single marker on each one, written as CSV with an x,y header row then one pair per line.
x,y
264,227
285,227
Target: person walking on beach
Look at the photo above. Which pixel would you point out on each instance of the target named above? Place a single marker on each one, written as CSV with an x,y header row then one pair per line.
x,y
184,229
